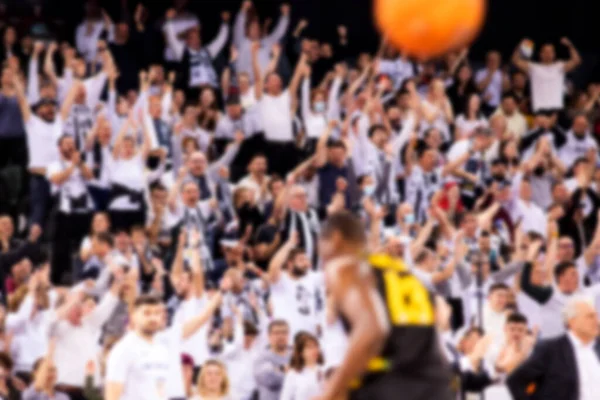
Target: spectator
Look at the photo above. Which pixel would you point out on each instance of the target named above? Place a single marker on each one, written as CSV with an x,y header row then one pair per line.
x,y
304,378
270,364
577,347
489,81
213,382
548,76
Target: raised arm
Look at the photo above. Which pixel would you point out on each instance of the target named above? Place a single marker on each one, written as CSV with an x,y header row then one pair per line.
x,y
21,99
275,55
197,322
282,25
321,150
302,69
574,57
49,63
174,44
196,264
177,265
258,79
33,82
280,258
120,136
239,28
65,110
518,61
217,44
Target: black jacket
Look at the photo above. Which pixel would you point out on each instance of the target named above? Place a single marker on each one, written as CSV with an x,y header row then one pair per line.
x,y
552,370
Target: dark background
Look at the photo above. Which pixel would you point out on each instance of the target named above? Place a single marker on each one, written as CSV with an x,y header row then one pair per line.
x,y
507,21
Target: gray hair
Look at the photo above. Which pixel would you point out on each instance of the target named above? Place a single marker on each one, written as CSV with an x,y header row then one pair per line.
x,y
570,309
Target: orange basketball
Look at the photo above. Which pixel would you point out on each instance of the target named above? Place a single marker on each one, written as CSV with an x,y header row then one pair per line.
x,y
429,28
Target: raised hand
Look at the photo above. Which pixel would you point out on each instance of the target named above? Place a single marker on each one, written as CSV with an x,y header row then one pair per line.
x,y
285,9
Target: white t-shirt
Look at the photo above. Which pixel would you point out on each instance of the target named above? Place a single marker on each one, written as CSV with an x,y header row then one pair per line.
x,y
277,117
197,344
171,339
42,140
493,92
439,122
74,187
130,174
295,300
547,85
141,366
305,384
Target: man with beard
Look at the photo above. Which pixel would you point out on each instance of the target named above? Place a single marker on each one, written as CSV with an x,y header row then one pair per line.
x,y
137,367
579,142
43,128
69,177
295,290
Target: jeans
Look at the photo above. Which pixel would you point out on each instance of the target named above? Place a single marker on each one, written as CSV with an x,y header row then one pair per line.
x,y
39,199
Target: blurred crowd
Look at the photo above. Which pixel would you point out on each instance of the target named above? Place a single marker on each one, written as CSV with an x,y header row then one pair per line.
x,y
159,210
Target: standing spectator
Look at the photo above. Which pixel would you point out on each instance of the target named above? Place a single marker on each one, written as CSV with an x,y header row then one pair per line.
x,y
248,31
295,289
69,177
196,67
137,366
305,377
43,129
77,326
270,364
96,23
489,81
548,76
572,359
127,205
277,107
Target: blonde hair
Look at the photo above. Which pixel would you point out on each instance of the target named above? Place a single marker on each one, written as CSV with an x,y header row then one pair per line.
x,y
224,390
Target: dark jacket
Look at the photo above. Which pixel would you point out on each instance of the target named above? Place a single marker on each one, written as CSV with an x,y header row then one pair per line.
x,y
550,373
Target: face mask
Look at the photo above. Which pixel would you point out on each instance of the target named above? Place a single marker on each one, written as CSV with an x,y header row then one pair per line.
x,y
409,219
216,348
369,190
298,271
319,106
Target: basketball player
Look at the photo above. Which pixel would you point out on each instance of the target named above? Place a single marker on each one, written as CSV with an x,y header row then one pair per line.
x,y
393,349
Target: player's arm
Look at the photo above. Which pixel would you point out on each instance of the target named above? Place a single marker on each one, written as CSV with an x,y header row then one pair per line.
x,y
364,309
114,390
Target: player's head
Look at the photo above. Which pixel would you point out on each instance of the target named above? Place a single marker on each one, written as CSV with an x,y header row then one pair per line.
x,y
298,262
279,335
147,314
342,233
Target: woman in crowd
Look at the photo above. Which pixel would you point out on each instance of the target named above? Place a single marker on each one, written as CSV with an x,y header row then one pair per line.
x,y
305,376
128,178
100,224
213,383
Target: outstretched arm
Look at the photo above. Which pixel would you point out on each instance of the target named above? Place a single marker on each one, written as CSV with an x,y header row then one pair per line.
x,y
279,259
574,57
518,61
279,31
215,47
